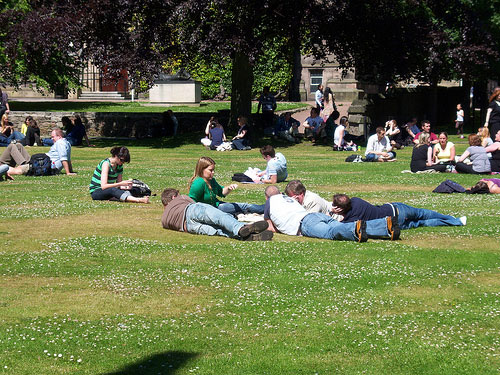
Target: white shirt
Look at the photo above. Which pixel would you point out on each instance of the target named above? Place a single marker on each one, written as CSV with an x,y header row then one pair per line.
x,y
374,145
314,203
285,213
336,135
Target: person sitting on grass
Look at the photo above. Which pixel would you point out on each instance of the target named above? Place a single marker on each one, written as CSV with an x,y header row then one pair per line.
x,y
183,214
426,128
107,182
287,128
77,133
477,155
276,166
339,139
312,125
205,189
421,157
286,215
378,147
241,141
353,209
444,151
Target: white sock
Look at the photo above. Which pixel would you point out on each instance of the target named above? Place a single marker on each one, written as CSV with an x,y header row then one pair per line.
x,y
463,219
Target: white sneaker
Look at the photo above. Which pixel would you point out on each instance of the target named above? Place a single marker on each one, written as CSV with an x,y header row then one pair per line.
x,y
463,220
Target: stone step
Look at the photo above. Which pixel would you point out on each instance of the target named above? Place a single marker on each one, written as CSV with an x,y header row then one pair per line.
x,y
103,95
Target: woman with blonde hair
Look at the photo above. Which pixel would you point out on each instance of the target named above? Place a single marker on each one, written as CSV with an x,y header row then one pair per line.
x,y
478,156
204,188
7,132
421,157
484,134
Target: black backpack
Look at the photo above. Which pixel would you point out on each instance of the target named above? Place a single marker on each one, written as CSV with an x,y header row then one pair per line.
x,y
40,165
139,189
449,186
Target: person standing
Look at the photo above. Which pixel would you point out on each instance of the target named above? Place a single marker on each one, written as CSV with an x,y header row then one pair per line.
x,y
459,122
493,113
4,103
319,98
268,104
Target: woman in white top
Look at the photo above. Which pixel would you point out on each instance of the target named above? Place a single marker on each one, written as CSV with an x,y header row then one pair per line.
x,y
339,142
444,151
459,122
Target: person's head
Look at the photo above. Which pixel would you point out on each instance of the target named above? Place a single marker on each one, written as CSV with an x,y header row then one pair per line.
x,y
495,95
459,106
170,112
66,122
56,134
413,120
267,152
334,116
314,112
296,190
443,139
343,202
265,90
242,121
391,124
5,119
28,120
474,140
483,133
33,123
122,153
270,191
380,132
167,196
205,168
344,121
320,87
425,125
327,91
78,121
287,116
497,136
423,139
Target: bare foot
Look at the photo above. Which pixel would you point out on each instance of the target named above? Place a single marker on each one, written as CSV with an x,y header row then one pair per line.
x,y
9,177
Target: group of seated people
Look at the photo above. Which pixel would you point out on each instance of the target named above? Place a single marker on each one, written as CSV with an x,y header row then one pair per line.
x,y
215,135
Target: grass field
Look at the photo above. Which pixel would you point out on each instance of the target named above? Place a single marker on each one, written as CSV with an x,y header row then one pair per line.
x,y
74,106
100,288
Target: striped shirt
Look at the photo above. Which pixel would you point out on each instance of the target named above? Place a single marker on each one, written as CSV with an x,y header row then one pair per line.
x,y
113,174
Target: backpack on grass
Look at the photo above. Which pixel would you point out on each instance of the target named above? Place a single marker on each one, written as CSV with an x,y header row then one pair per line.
x,y
139,189
40,165
449,186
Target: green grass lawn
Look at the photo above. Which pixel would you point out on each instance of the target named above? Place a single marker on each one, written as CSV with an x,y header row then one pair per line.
x,y
65,106
100,288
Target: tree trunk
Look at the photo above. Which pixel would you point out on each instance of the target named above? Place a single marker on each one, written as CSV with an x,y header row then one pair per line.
x,y
433,104
294,91
242,81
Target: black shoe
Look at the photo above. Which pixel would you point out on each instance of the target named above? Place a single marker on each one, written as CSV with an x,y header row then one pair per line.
x,y
361,234
267,235
393,227
257,227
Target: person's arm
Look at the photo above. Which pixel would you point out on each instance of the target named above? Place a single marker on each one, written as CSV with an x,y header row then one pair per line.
x,y
224,137
435,153
87,140
207,129
271,226
227,189
464,156
493,147
453,153
104,179
341,136
68,168
429,157
273,179
488,113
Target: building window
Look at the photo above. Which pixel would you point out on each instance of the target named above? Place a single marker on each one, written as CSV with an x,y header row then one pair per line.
x,y
316,79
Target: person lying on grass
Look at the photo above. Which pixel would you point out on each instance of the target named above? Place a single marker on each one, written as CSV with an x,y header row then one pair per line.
x,y
183,214
353,209
107,182
285,214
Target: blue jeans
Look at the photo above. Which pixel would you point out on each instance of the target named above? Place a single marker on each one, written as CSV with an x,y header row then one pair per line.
x,y
4,168
374,157
47,142
5,141
202,218
319,225
241,208
412,217
107,194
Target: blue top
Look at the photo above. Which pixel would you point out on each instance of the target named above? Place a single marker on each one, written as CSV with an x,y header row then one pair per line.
x,y
362,210
277,166
217,134
59,152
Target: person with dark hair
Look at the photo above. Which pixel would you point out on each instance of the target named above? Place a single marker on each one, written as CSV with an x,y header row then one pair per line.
x,y
287,128
268,104
394,133
312,124
477,155
426,127
353,209
492,184
328,103
183,214
107,182
241,141
459,122
217,134
318,97
4,103
493,113
77,133
33,133
339,138
378,147
276,166
286,215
